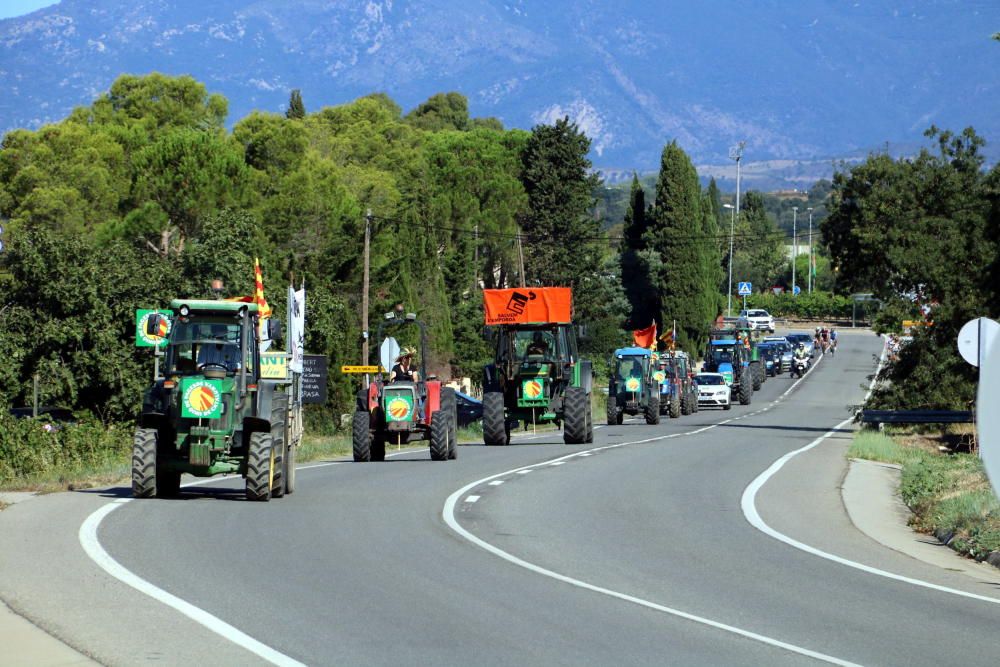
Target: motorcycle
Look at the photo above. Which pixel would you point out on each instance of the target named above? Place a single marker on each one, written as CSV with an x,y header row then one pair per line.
x,y
799,367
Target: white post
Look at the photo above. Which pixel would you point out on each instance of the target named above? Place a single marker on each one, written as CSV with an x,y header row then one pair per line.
x,y
732,225
810,249
795,245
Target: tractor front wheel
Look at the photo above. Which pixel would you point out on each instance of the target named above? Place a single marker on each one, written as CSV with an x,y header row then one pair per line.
x,y
261,464
495,431
675,405
652,412
149,475
757,375
576,406
612,410
746,389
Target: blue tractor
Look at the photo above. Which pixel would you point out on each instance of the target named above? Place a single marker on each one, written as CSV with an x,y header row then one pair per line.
x,y
632,389
726,355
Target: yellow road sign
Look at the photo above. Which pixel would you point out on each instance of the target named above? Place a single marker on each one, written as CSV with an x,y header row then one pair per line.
x,y
359,369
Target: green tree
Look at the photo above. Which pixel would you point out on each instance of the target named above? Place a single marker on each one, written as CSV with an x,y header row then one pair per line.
x,y
638,263
759,253
678,237
443,111
562,246
296,109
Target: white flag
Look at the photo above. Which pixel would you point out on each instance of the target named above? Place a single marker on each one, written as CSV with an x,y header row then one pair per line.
x,y
296,328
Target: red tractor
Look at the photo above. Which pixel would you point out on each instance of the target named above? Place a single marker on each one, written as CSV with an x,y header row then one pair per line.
x,y
405,411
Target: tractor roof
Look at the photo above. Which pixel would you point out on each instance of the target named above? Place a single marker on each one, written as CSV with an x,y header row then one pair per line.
x,y
633,352
724,342
209,306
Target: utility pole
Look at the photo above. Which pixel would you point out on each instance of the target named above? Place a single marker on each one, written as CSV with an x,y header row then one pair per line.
x,y
810,249
795,245
735,153
520,256
364,289
475,262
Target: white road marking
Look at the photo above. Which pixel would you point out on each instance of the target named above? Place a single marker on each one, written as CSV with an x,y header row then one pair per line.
x,y
749,505
90,543
557,463
471,499
448,514
497,482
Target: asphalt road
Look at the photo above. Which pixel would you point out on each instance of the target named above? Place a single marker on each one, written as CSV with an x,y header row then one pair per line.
x,y
633,550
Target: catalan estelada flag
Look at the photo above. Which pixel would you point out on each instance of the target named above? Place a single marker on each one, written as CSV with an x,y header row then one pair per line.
x,y
263,310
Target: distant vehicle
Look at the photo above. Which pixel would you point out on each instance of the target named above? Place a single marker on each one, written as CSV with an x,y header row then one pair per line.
x,y
785,350
470,410
771,354
713,390
756,319
52,419
806,338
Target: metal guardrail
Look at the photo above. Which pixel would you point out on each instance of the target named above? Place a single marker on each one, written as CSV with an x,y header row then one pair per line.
x,y
879,417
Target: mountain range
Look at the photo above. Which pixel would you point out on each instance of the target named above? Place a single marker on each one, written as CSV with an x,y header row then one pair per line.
x,y
806,81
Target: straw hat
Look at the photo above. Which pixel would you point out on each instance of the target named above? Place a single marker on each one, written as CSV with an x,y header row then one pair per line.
x,y
406,352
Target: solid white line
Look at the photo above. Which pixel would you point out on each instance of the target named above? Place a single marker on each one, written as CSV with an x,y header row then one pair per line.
x,y
90,543
524,472
557,463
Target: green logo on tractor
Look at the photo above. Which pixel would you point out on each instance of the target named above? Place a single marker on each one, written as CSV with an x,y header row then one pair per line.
x,y
632,384
399,407
660,376
533,389
201,399
143,339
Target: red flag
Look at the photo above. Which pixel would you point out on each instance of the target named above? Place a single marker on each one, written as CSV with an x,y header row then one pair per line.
x,y
645,337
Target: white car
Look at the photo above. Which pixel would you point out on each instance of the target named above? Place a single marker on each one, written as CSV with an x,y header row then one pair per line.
x,y
712,390
757,319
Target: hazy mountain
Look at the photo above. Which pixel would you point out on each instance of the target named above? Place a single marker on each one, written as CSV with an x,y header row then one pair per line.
x,y
803,80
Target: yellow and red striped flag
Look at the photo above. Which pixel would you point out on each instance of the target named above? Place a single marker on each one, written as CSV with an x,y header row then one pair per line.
x,y
263,310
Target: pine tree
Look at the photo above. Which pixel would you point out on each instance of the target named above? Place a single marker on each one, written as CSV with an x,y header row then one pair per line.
x,y
296,109
678,236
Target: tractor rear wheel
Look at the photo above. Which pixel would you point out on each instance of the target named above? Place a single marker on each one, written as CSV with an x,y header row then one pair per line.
x,y
440,429
755,374
278,416
590,427
612,410
746,388
361,437
449,404
675,405
575,409
652,412
685,404
495,431
290,474
261,465
378,440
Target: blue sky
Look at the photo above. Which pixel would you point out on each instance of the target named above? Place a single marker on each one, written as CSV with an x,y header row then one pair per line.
x,y
9,8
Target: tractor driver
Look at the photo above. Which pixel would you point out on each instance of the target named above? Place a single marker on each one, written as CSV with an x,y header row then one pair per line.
x,y
537,347
403,370
222,354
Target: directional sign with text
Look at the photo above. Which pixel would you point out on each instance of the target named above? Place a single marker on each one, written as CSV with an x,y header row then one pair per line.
x,y
745,289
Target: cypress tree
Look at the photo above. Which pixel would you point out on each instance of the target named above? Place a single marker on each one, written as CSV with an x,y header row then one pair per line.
x,y
635,261
678,237
296,109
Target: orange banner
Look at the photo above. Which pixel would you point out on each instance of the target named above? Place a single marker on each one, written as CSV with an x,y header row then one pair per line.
x,y
645,337
528,304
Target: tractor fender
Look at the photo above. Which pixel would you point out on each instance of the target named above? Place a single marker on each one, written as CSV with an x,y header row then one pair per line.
x,y
491,378
152,420
371,404
433,402
586,375
255,425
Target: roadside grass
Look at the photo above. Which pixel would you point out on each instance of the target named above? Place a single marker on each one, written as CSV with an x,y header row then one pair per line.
x,y
947,491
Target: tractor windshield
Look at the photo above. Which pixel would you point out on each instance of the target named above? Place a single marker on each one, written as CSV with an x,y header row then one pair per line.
x,y
629,367
197,345
722,354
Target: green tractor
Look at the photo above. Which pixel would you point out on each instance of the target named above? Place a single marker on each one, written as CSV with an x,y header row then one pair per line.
x,y
212,412
632,389
758,369
405,411
729,356
537,375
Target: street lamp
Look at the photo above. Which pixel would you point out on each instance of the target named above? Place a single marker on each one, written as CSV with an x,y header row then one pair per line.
x,y
795,245
810,249
729,294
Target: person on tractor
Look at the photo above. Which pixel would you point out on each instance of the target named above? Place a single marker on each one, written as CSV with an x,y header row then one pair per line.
x,y
537,347
223,354
403,371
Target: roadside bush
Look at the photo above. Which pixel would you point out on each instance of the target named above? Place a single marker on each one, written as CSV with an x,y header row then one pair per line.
x,y
815,306
27,450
